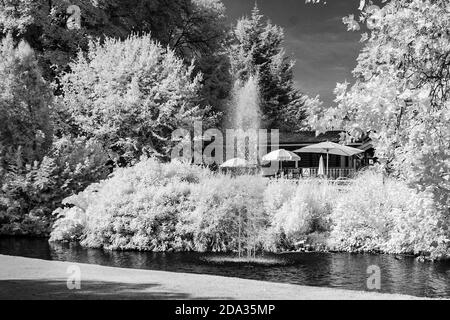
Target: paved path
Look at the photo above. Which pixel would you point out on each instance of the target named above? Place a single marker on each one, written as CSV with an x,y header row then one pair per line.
x,y
25,278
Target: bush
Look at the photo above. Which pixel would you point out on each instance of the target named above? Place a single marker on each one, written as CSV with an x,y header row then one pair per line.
x,y
178,207
139,207
70,225
421,229
164,207
303,210
72,220
29,193
228,211
384,215
277,193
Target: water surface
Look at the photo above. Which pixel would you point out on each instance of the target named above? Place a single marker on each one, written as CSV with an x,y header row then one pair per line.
x,y
336,270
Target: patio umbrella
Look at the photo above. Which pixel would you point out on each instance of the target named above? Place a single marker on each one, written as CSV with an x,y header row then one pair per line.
x,y
281,155
330,148
235,163
321,171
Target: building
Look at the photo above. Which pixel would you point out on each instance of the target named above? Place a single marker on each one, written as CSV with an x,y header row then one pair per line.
x,y
339,166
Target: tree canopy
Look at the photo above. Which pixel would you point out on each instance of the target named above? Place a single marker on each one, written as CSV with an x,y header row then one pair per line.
x,y
257,49
25,102
401,92
131,95
193,28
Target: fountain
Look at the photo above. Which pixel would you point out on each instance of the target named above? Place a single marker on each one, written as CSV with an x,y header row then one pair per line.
x,y
246,117
246,104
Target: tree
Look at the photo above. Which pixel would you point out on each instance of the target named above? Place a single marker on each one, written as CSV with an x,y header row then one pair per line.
x,y
130,95
401,92
43,24
25,102
200,34
29,193
257,49
216,85
195,29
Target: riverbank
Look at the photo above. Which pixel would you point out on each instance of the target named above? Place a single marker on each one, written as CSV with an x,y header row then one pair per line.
x,y
25,278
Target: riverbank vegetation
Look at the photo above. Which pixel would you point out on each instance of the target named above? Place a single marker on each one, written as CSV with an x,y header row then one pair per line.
x,y
178,207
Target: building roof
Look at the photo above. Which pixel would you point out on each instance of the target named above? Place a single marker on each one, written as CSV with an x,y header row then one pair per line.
x,y
309,137
305,138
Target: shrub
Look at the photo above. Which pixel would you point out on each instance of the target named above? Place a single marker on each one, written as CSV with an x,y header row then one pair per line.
x,y
363,215
306,211
142,219
277,193
385,215
71,221
137,208
70,225
228,211
421,229
29,193
165,207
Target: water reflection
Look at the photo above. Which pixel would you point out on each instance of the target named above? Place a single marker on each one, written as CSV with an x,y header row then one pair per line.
x,y
347,271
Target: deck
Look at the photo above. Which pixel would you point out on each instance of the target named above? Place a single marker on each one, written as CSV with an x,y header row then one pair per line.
x,y
333,173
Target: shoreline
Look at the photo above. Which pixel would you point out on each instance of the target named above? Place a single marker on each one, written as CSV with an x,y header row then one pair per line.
x,y
421,258
27,278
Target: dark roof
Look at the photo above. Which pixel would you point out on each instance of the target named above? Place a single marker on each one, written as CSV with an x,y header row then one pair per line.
x,y
309,137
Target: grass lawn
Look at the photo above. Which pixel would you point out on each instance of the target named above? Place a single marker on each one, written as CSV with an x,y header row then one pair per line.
x,y
25,278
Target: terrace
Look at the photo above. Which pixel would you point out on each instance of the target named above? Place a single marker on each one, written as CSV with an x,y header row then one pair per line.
x,y
340,167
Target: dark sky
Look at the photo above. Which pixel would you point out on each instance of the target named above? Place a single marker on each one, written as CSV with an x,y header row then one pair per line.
x,y
315,37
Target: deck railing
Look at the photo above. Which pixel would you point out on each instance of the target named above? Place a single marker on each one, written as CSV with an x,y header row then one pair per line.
x,y
333,173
